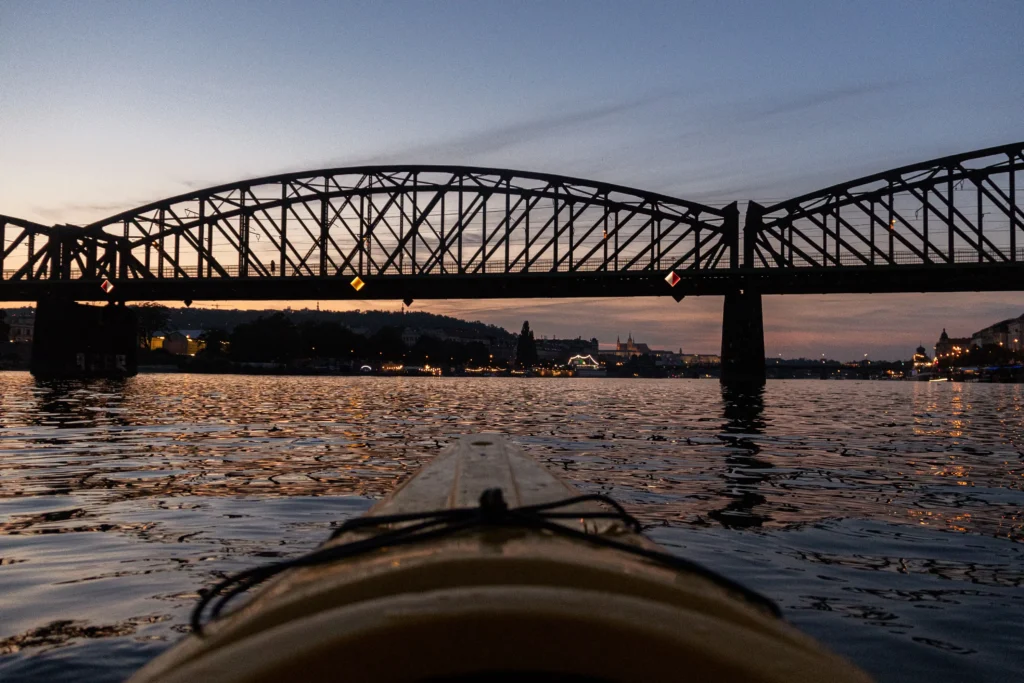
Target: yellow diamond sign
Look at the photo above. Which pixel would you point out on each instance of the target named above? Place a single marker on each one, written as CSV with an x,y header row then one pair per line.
x,y
357,283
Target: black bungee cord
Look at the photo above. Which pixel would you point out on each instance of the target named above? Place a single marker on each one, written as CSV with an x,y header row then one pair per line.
x,y
493,511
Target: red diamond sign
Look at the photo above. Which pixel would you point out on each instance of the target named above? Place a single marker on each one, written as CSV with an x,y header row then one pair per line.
x,y
107,286
672,279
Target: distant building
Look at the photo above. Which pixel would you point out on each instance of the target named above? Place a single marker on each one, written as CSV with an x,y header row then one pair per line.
x,y
624,350
629,348
949,347
560,350
1015,338
1007,333
922,363
179,342
410,335
22,326
701,359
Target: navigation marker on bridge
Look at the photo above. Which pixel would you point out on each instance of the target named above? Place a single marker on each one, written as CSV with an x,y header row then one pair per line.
x,y
672,278
107,286
357,283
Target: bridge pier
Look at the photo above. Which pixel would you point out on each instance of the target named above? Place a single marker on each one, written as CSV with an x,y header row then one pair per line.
x,y
72,340
743,339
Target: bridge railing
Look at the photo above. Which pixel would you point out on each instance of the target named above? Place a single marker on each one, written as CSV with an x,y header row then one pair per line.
x,y
902,258
846,259
540,266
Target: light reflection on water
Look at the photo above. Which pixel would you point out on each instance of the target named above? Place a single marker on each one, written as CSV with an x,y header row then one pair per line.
x,y
884,517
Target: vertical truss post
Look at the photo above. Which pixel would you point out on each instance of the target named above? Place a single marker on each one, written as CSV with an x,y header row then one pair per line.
x,y
892,226
200,237
3,245
368,237
615,250
981,230
1013,206
400,256
483,231
871,230
731,229
949,214
53,249
604,235
243,237
508,222
752,227
160,254
443,246
655,265
696,247
362,232
526,246
324,228
461,228
209,250
924,230
414,226
572,243
824,245
284,228
555,241
68,245
91,248
31,249
177,253
838,241
110,258
124,250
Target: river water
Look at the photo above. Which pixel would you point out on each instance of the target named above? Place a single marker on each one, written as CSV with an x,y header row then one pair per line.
x,y
884,517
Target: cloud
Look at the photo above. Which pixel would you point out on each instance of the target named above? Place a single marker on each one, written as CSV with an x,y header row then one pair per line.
x,y
766,108
497,138
59,212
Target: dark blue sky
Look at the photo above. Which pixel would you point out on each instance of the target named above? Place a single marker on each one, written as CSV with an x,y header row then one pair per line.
x,y
107,105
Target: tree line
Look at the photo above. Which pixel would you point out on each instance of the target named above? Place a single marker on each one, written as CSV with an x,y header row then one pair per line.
x,y
279,338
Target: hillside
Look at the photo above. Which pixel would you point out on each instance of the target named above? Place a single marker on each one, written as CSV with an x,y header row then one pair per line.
x,y
371,321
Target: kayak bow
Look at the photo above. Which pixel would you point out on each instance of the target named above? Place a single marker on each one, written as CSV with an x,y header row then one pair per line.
x,y
486,566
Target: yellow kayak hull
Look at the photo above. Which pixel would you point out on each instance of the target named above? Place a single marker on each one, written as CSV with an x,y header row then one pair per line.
x,y
496,604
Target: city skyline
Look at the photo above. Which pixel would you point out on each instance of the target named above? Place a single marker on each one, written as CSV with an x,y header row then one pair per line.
x,y
713,105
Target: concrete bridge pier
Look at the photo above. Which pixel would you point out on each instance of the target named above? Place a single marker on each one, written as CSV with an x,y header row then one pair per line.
x,y
743,339
72,340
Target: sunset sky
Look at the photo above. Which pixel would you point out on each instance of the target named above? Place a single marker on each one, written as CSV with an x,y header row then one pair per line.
x,y
106,105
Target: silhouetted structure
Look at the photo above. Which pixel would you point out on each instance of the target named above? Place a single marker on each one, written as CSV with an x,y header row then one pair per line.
x,y
424,232
73,340
526,347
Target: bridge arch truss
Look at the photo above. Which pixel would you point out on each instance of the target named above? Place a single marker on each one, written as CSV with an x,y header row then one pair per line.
x,y
963,209
383,222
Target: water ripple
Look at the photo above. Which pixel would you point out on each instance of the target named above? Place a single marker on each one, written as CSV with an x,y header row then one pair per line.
x,y
884,517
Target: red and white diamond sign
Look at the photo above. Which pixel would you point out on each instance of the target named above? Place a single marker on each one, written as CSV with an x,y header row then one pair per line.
x,y
672,279
107,286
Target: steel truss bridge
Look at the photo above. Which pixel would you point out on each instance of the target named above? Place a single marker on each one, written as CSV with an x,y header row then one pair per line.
x,y
458,232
